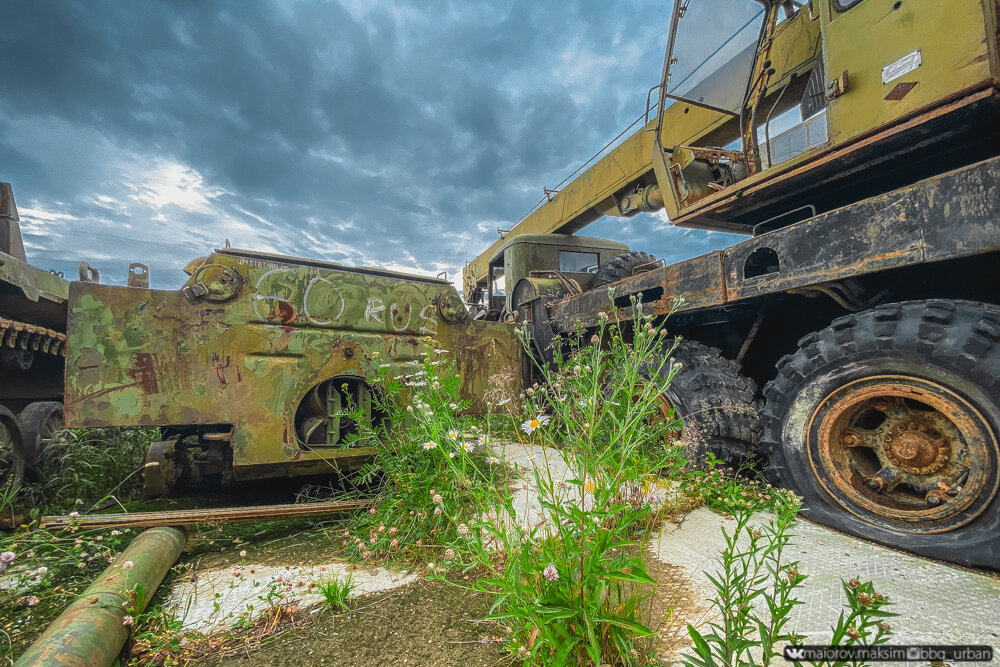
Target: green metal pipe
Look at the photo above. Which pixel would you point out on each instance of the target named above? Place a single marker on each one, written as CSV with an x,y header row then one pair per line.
x,y
89,632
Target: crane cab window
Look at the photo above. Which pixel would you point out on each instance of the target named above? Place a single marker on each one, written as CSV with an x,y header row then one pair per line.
x,y
844,5
578,262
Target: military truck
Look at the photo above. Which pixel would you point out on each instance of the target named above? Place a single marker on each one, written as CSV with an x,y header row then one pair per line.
x,y
856,144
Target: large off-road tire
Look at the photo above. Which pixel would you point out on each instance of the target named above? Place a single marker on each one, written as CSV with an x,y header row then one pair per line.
x,y
12,456
39,423
887,422
621,267
717,403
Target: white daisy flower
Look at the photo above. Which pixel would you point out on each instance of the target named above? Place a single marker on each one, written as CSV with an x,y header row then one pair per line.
x,y
530,425
493,459
503,402
468,446
453,434
430,444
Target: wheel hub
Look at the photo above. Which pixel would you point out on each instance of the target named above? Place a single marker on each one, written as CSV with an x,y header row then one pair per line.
x,y
914,448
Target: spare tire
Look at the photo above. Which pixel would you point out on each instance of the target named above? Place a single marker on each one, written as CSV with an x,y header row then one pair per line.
x,y
12,458
39,423
621,267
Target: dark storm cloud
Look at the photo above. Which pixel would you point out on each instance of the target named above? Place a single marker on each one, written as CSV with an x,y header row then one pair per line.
x,y
361,132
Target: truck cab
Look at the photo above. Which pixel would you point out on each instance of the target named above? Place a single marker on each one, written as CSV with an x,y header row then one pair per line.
x,y
571,261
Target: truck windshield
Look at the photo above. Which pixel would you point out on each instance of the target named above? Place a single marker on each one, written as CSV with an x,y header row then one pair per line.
x,y
713,51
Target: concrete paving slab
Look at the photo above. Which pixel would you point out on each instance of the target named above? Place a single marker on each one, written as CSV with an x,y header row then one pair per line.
x,y
937,603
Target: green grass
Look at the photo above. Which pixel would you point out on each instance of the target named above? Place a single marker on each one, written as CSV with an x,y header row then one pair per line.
x,y
336,591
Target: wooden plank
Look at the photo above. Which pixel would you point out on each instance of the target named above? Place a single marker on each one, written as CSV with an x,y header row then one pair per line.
x,y
202,516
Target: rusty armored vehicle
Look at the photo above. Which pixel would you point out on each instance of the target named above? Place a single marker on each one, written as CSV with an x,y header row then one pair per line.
x,y
850,347
248,368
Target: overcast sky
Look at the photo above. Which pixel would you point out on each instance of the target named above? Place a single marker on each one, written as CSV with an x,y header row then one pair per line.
x,y
392,134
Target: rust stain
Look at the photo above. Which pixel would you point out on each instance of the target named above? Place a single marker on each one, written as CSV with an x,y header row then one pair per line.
x,y
144,373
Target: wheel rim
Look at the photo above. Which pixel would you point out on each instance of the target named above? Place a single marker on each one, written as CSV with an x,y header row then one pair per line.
x,y
905,453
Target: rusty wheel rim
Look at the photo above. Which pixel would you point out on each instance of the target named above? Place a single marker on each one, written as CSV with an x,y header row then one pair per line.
x,y
905,453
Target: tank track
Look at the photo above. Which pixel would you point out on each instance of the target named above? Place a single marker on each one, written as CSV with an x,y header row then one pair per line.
x,y
21,335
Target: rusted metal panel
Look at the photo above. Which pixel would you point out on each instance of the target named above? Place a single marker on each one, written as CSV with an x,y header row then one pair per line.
x,y
953,215
246,339
698,280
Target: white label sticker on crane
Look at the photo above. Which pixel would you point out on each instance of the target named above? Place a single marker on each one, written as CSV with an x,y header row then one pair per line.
x,y
907,63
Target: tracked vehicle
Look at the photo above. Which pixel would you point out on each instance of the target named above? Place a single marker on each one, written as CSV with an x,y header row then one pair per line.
x,y
247,369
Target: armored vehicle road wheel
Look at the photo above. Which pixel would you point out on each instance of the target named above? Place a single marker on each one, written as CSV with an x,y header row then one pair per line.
x,y
716,402
887,424
621,267
12,457
39,423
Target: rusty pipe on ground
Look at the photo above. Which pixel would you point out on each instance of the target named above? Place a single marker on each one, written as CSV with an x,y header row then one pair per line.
x,y
89,632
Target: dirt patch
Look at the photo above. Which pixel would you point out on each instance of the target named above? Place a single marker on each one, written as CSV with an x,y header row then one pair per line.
x,y
674,603
425,623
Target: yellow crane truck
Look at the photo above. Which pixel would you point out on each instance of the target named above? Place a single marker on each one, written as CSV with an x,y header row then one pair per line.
x,y
856,143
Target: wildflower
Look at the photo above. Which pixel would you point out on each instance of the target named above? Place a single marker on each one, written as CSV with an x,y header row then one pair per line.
x,y
884,627
463,530
409,408
127,565
484,440
531,457
381,528
551,573
453,434
430,444
437,498
78,501
366,554
243,554
468,447
430,566
7,557
33,600
493,459
384,365
436,385
864,599
42,570
437,511
853,633
115,533
449,554
237,573
371,511
74,514
530,425
394,544
503,402
371,541
453,406
80,566
853,583
393,530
